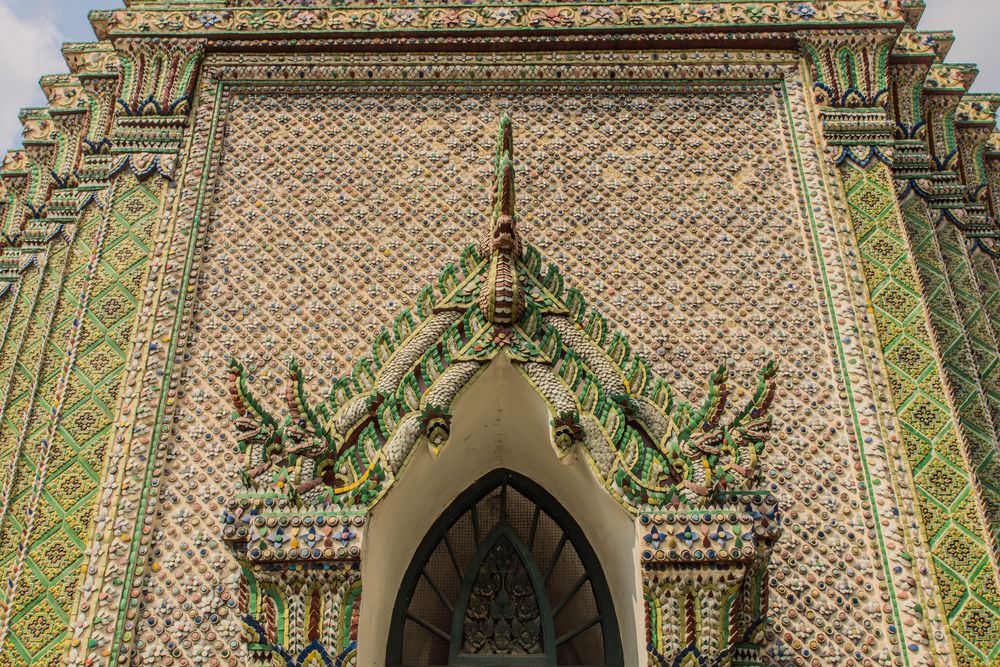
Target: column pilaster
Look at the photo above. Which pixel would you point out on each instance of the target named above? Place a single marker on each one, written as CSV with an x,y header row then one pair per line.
x,y
872,149
144,90
300,588
705,581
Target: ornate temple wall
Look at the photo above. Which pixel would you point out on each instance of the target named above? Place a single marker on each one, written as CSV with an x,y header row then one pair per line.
x,y
684,195
259,180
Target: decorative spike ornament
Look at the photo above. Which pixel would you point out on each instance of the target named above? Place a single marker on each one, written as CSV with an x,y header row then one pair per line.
x,y
500,299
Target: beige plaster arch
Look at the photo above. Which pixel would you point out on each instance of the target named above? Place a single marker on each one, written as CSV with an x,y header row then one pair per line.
x,y
500,421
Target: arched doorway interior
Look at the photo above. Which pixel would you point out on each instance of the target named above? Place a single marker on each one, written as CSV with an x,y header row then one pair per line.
x,y
504,577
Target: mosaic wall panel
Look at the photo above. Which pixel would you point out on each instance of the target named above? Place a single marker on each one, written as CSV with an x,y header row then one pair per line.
x,y
22,301
60,462
679,211
946,496
980,334
34,311
7,310
989,283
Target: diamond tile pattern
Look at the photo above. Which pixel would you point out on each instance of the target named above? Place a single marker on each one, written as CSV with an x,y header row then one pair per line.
x,y
45,530
947,501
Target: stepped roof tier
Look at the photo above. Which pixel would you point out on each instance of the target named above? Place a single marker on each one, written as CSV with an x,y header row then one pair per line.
x,y
200,25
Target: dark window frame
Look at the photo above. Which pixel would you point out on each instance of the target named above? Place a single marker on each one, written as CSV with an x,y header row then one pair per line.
x,y
613,654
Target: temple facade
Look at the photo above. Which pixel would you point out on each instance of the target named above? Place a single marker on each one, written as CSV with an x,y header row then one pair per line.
x,y
467,333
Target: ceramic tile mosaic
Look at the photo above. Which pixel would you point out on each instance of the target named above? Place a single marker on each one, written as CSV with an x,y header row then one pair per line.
x,y
292,215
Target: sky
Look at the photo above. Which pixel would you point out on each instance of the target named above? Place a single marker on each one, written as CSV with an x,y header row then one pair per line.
x,y
32,30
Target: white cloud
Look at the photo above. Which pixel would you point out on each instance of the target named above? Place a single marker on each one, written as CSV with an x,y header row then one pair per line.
x,y
29,49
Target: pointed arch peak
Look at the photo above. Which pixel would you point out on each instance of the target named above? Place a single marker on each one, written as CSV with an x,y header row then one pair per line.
x,y
647,446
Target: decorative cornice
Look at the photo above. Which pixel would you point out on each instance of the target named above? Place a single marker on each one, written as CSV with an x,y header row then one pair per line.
x,y
15,164
355,16
912,11
65,95
950,79
923,44
90,60
943,41
37,129
914,45
993,146
978,110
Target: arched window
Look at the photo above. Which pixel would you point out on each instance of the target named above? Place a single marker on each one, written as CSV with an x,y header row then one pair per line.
x,y
504,577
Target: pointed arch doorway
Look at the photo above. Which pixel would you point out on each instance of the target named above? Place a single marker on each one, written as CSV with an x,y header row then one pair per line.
x,y
505,577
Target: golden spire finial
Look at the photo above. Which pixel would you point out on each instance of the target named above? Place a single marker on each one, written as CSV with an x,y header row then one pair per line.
x,y
501,300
